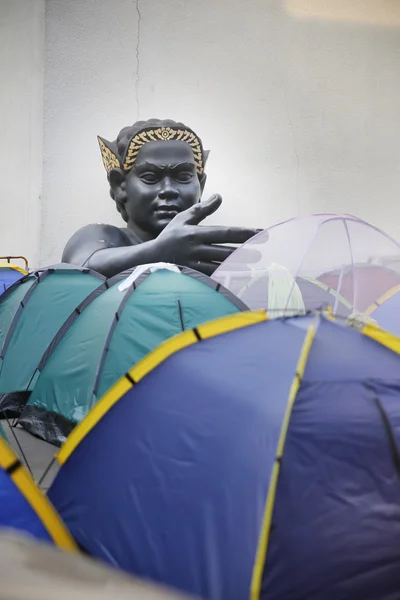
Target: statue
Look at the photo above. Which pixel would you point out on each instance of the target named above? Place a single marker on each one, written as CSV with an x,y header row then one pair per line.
x,y
156,174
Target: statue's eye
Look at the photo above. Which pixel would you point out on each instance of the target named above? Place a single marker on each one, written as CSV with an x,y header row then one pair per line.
x,y
149,177
184,177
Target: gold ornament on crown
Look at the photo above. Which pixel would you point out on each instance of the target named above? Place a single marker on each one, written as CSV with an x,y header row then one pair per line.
x,y
163,134
110,161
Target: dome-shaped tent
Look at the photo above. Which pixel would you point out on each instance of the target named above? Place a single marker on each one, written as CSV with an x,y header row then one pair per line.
x,y
31,313
116,329
24,507
256,459
315,295
369,282
344,253
11,272
386,311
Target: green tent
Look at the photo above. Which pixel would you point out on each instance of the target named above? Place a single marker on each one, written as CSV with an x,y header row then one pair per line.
x,y
114,331
31,313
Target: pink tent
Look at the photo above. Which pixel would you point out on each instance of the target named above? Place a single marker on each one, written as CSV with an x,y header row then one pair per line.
x,y
368,281
336,260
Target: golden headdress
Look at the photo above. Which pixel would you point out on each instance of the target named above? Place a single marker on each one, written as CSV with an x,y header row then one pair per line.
x,y
131,140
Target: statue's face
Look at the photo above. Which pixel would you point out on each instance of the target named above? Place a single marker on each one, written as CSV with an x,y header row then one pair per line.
x,y
162,183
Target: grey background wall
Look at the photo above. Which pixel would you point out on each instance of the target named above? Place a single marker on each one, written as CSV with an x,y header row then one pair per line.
x,y
21,126
299,106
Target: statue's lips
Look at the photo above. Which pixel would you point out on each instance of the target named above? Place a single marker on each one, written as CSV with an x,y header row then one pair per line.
x,y
166,212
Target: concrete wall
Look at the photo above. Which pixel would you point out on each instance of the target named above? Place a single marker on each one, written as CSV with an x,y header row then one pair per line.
x,y
300,107
21,126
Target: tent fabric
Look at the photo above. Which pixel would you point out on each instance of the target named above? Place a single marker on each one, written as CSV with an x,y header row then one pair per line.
x,y
315,295
9,274
386,311
347,254
113,331
35,570
250,458
23,507
31,313
283,291
366,282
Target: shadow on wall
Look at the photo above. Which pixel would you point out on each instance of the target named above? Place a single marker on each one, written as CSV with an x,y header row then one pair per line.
x,y
385,13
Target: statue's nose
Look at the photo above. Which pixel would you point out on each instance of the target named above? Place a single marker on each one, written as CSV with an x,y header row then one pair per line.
x,y
168,190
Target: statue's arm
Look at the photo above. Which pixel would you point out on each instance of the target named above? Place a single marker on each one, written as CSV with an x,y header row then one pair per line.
x,y
104,248
111,261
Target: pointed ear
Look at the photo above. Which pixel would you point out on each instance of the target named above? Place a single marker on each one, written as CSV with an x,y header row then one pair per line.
x,y
203,176
110,159
202,179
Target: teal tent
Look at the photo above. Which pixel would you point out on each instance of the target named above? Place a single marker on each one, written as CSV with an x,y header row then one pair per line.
x,y
31,313
246,460
100,341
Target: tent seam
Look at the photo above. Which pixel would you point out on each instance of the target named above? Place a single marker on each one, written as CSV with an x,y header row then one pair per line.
x,y
263,542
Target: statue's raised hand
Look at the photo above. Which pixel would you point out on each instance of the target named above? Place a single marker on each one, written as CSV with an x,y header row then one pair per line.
x,y
184,243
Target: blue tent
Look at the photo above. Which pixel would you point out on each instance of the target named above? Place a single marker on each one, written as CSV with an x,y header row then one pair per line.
x,y
386,311
24,507
247,458
10,272
8,276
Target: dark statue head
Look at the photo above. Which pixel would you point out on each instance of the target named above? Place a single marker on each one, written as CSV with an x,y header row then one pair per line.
x,y
155,170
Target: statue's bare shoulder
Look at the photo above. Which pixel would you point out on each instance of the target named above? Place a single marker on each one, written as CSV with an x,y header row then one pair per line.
x,y
92,238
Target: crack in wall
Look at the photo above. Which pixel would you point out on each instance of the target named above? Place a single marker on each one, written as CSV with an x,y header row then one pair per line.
x,y
137,82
